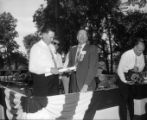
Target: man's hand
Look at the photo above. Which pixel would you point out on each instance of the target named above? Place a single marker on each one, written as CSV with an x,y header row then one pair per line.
x,y
136,69
85,88
54,71
130,82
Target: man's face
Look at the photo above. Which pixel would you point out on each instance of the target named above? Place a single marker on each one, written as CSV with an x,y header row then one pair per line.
x,y
48,37
139,49
82,37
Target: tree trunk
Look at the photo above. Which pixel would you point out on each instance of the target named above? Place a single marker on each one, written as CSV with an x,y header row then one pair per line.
x,y
110,45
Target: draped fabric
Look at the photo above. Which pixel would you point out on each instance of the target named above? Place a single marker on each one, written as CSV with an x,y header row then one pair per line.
x,y
74,106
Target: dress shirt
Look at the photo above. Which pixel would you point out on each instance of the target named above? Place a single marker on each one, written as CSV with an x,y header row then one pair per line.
x,y
82,46
79,49
40,61
128,60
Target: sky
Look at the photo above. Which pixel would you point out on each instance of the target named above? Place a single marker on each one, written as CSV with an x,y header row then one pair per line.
x,y
23,11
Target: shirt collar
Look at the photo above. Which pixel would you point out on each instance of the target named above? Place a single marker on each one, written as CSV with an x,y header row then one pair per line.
x,y
43,43
82,46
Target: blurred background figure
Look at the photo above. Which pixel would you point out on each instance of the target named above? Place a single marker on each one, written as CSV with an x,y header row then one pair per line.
x,y
66,76
55,47
61,63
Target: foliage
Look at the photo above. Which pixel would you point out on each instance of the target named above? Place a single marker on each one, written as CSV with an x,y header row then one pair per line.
x,y
130,26
18,61
19,58
29,40
8,32
11,58
7,36
68,16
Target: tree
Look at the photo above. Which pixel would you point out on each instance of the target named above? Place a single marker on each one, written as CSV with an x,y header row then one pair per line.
x,y
68,16
7,31
29,40
130,26
18,59
7,35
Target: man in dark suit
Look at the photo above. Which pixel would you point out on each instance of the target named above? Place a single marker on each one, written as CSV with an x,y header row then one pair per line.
x,y
84,56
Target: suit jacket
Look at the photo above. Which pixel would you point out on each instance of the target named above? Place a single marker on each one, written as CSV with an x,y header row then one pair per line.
x,y
86,68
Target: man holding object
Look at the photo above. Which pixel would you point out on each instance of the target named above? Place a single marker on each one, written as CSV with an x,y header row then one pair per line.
x,y
132,59
43,67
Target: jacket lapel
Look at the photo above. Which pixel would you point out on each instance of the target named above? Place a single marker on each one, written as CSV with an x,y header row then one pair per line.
x,y
85,47
75,51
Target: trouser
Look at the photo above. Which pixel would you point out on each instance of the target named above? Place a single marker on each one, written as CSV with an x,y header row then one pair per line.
x,y
45,86
73,86
127,97
65,81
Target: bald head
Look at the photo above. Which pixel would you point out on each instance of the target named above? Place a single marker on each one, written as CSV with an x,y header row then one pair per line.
x,y
82,36
139,48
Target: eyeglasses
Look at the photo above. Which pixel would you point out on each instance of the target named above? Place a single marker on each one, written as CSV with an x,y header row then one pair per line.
x,y
55,43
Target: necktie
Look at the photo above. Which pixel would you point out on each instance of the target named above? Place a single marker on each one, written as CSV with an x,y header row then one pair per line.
x,y
53,58
135,61
78,54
